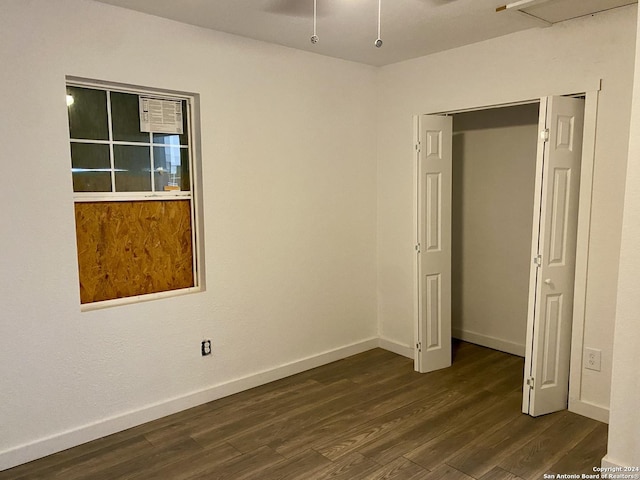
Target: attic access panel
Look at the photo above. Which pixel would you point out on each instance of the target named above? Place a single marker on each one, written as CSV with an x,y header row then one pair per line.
x,y
554,11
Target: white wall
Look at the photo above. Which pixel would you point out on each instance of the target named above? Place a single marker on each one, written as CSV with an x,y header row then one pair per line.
x,y
494,166
289,142
565,58
288,154
624,427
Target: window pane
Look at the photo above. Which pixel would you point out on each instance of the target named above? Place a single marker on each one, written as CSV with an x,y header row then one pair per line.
x,y
171,168
90,167
173,139
87,113
133,168
125,118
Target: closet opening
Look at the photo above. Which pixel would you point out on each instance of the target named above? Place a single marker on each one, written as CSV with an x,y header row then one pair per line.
x,y
493,181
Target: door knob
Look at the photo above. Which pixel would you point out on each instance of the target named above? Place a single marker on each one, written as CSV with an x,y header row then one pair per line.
x,y
547,281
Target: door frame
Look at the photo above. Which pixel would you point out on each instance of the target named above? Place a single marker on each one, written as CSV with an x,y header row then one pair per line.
x,y
591,94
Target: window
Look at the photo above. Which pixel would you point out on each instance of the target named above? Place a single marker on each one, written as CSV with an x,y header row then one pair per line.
x,y
132,157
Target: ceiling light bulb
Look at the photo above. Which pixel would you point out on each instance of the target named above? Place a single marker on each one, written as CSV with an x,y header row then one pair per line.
x,y
70,100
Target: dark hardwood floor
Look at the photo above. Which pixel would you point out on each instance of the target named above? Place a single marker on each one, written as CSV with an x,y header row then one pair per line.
x,y
368,416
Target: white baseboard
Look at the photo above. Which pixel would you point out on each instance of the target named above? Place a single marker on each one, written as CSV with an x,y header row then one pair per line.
x,y
490,342
395,347
590,410
614,465
71,438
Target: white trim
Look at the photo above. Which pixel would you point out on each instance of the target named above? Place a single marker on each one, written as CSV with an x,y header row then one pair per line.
x,y
395,347
193,175
608,462
488,341
197,189
591,410
88,307
490,107
71,438
582,247
79,197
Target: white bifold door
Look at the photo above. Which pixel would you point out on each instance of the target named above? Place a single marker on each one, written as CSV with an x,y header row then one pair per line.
x,y
552,279
434,243
555,209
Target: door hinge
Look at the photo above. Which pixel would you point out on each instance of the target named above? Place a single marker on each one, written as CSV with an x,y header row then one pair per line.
x,y
537,260
418,149
417,248
544,135
530,382
419,346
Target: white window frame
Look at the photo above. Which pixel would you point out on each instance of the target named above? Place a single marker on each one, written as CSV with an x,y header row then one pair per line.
x,y
193,195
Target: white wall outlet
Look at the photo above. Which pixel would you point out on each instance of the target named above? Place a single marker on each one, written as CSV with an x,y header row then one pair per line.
x,y
205,348
593,359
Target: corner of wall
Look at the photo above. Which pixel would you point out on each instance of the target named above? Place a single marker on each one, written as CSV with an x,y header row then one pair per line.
x,y
396,347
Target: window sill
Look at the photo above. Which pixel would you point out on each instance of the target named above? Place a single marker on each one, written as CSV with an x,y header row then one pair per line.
x,y
88,307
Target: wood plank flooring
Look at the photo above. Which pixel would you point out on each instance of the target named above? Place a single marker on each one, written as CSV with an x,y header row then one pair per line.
x,y
369,416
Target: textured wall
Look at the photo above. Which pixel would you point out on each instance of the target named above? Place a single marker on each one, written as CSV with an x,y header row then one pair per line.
x,y
288,211
565,58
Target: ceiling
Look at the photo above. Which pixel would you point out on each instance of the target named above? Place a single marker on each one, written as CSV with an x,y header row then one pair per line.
x,y
348,28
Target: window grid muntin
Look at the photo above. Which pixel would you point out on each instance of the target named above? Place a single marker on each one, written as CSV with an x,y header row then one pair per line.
x,y
111,152
152,165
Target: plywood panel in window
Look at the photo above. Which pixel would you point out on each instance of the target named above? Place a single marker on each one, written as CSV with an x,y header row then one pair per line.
x,y
133,248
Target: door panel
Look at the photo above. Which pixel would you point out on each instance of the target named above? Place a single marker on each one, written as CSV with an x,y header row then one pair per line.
x,y
434,240
560,216
433,212
551,348
553,308
433,303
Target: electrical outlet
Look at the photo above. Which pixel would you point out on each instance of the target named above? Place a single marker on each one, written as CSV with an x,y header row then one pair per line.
x,y
206,348
593,359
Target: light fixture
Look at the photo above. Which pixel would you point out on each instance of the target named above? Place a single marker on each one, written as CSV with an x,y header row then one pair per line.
x,y
69,100
315,38
378,42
